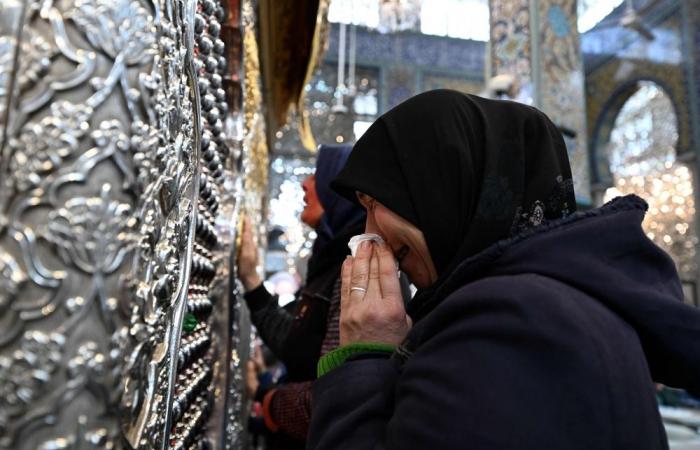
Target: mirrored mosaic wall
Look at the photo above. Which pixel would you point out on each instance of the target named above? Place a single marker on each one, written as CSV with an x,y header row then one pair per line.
x,y
537,42
123,157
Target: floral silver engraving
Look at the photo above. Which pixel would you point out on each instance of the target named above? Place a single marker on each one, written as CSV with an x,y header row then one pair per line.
x,y
114,162
67,215
91,234
121,28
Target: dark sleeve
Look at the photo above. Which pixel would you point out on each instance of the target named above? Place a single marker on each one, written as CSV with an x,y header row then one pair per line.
x,y
491,373
272,321
331,340
352,405
290,409
405,287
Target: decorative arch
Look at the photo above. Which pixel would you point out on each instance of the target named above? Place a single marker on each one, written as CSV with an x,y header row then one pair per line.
x,y
602,128
612,73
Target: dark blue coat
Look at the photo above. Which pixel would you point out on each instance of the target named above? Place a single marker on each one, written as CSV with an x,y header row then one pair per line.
x,y
553,341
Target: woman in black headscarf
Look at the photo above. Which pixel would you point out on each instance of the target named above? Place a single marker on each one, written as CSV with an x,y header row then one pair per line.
x,y
534,327
298,338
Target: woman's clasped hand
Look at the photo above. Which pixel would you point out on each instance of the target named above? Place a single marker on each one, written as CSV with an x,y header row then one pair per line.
x,y
372,309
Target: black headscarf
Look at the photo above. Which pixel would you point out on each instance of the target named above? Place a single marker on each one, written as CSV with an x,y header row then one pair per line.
x,y
341,219
465,170
338,212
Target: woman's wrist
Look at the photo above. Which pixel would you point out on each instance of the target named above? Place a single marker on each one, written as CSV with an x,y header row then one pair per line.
x,y
258,298
270,422
250,283
337,357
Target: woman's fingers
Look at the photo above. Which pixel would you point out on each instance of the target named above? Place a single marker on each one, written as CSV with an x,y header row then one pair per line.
x,y
247,239
371,308
247,229
388,279
349,322
247,258
359,280
345,275
373,287
248,248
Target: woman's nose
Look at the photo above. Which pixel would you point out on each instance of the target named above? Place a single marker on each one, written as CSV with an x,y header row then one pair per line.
x,y
370,224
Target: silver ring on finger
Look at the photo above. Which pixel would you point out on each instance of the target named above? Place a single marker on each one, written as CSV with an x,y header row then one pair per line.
x,y
357,288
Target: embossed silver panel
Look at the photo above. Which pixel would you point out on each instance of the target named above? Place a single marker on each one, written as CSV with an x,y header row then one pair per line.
x,y
115,243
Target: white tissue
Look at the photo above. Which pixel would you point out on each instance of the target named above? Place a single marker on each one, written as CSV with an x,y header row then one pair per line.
x,y
356,240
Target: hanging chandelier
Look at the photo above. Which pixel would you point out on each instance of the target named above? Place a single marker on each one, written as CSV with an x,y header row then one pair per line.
x,y
399,15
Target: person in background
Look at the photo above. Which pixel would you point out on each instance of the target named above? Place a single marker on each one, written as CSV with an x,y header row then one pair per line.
x,y
298,339
534,327
676,398
264,371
